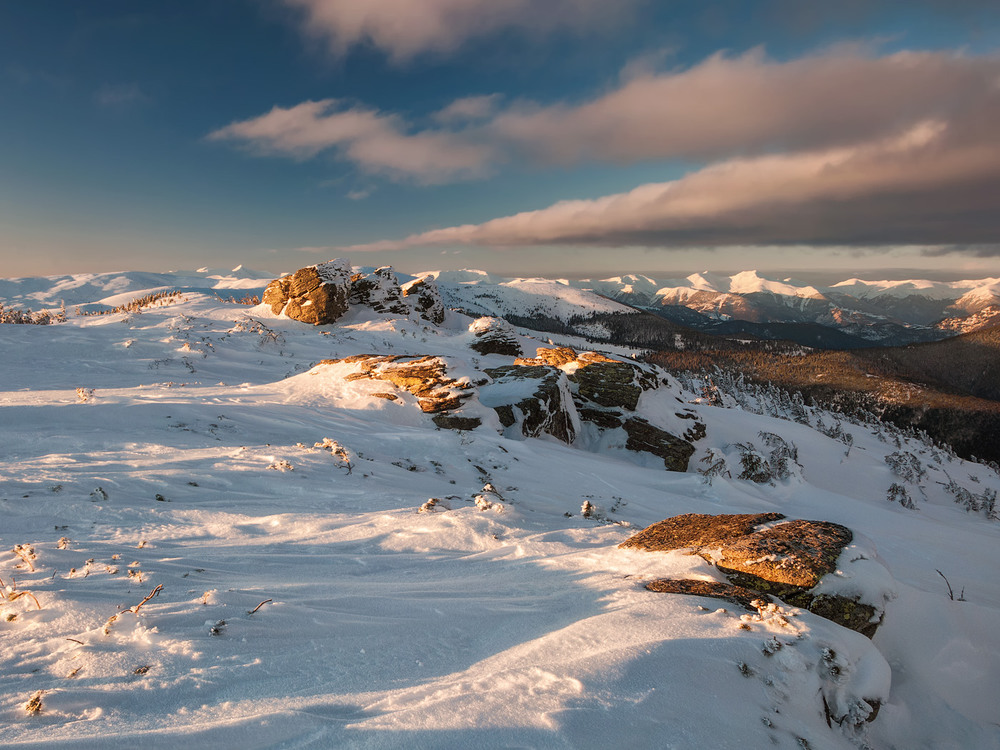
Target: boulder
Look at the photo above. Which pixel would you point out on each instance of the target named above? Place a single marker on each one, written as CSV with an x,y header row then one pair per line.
x,y
424,298
378,290
788,560
644,437
697,531
314,294
494,336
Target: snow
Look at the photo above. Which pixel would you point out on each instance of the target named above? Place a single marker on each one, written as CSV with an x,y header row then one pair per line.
x,y
194,464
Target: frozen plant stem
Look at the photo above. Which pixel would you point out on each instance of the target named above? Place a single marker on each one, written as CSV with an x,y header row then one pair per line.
x,y
133,610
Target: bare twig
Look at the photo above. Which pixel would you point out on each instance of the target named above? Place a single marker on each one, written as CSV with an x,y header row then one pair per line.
x,y
149,596
133,610
76,641
259,606
951,594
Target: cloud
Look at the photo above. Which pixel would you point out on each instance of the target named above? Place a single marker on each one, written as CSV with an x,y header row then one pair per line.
x,y
406,28
750,104
723,107
377,143
120,95
933,183
468,108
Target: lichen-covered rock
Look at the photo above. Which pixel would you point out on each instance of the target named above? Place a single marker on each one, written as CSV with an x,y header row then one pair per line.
x,y
796,554
726,591
378,290
609,384
494,336
314,294
789,560
851,613
644,437
424,297
697,531
555,357
542,405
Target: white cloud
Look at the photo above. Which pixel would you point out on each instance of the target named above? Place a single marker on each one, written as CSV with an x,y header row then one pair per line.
x,y
721,108
405,28
377,143
120,95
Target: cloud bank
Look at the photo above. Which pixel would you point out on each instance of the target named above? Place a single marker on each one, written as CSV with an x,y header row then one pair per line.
x,y
840,148
934,183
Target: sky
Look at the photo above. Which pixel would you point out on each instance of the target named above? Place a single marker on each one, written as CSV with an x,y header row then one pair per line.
x,y
523,137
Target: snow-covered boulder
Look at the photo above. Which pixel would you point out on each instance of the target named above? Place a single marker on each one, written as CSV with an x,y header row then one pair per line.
x,y
424,377
378,290
816,565
494,336
314,294
425,299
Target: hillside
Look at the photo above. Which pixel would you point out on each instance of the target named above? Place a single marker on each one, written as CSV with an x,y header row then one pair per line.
x,y
229,527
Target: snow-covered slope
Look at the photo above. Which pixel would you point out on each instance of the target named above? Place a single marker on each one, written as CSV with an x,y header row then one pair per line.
x,y
200,453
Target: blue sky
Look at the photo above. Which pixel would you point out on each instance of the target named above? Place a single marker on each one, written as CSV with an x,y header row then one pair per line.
x,y
451,133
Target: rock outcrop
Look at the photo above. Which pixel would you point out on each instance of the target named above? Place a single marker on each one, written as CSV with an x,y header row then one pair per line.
x,y
541,405
314,294
425,299
602,390
494,336
788,560
424,377
378,290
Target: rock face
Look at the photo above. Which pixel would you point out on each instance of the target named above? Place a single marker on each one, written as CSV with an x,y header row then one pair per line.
x,y
644,437
609,383
542,406
424,297
424,377
494,336
787,560
378,290
314,294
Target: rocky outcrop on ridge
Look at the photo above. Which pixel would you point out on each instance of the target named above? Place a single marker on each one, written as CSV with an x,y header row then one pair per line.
x,y
378,290
314,294
424,297
321,294
764,554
